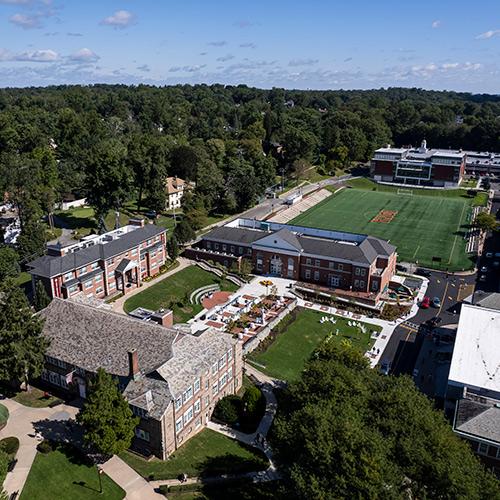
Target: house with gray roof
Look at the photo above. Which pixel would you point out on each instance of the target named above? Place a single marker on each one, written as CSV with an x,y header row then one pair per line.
x,y
171,379
338,260
102,265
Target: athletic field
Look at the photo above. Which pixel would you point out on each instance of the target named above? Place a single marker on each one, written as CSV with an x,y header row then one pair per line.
x,y
424,227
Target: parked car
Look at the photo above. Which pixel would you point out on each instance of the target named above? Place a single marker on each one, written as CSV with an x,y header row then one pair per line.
x,y
496,263
484,269
426,302
489,255
423,272
434,321
385,367
436,302
482,277
497,255
415,373
151,214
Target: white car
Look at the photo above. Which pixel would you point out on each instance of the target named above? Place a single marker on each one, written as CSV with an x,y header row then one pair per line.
x,y
484,269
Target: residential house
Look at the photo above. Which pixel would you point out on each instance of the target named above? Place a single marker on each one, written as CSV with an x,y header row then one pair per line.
x,y
175,189
171,379
102,265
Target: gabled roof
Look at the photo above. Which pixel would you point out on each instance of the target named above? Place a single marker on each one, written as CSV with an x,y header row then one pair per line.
x,y
478,419
49,266
235,235
92,338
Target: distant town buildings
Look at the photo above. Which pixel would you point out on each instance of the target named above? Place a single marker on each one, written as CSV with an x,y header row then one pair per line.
x,y
339,260
102,265
430,167
171,379
473,391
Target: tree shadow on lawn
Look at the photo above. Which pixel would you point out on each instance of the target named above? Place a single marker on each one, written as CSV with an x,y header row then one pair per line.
x,y
230,464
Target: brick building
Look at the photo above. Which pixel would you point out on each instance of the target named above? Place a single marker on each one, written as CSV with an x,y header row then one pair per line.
x,y
171,379
418,166
102,265
339,260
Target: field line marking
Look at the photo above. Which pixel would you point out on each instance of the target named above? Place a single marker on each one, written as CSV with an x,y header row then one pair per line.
x,y
415,253
455,239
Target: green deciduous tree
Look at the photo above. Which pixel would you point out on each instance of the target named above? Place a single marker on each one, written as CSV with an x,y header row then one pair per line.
x,y
486,221
183,232
22,345
173,247
106,416
345,431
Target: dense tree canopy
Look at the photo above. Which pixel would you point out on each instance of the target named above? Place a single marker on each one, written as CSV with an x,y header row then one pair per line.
x,y
345,431
116,143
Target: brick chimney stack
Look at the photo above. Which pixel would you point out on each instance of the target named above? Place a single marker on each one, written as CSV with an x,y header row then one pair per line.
x,y
133,364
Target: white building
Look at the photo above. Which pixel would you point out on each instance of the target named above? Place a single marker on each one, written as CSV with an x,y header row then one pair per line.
x,y
175,189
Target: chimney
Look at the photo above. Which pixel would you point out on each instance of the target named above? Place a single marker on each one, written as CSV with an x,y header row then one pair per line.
x,y
133,364
136,222
163,317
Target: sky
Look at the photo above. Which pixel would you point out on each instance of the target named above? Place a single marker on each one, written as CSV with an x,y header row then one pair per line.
x,y
307,44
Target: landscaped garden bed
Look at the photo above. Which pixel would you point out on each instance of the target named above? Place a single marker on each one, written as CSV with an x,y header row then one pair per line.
x,y
206,454
174,292
283,354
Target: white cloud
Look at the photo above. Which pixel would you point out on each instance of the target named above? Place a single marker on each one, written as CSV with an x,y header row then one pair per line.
x,y
302,62
436,24
84,55
43,55
145,68
219,43
120,19
26,21
187,69
248,45
225,58
488,34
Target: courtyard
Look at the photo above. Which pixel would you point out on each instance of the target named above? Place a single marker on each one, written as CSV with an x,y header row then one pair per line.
x,y
285,352
427,226
175,291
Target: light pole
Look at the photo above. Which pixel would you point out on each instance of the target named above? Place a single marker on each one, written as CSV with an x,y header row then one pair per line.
x,y
100,472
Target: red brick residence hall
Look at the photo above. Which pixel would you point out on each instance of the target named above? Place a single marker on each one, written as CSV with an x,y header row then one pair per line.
x,y
339,260
102,265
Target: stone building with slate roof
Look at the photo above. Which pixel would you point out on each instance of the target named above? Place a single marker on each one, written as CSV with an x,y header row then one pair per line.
x,y
171,379
339,260
102,265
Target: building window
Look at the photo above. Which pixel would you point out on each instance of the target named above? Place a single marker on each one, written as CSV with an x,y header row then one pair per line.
x,y
483,448
331,265
308,274
198,422
222,361
216,246
197,385
208,244
95,265
178,403
89,284
188,415
134,251
98,290
224,247
229,355
111,274
356,283
188,394
98,278
110,261
240,250
317,263
308,261
112,286
141,434
361,284
197,406
73,289
206,383
68,276
215,367
340,267
374,286
316,275
357,271
232,249
178,425
215,389
363,272
207,401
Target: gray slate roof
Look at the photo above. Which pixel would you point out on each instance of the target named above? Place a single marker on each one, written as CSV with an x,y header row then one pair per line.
x,y
49,266
136,390
478,419
365,252
92,338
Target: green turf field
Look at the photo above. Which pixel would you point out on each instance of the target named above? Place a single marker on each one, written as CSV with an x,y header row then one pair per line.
x,y
427,224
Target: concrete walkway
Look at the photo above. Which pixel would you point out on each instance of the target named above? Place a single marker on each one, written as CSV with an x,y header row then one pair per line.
x,y
118,304
23,423
136,487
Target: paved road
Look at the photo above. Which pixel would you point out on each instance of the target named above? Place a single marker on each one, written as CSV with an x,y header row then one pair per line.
x,y
405,343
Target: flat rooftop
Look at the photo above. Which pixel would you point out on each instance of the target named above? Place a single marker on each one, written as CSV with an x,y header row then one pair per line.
x,y
476,355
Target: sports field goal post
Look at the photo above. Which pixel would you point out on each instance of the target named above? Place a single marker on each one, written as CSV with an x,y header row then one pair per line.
x,y
406,192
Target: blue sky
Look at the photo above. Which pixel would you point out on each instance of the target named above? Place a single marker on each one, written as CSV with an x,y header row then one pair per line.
x,y
440,44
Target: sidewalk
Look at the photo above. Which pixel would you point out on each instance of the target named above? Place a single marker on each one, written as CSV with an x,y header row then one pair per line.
x,y
136,487
21,424
118,304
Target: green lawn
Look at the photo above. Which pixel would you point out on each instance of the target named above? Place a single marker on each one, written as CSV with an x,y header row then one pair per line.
x,y
206,454
4,415
286,355
173,293
34,398
64,474
428,224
